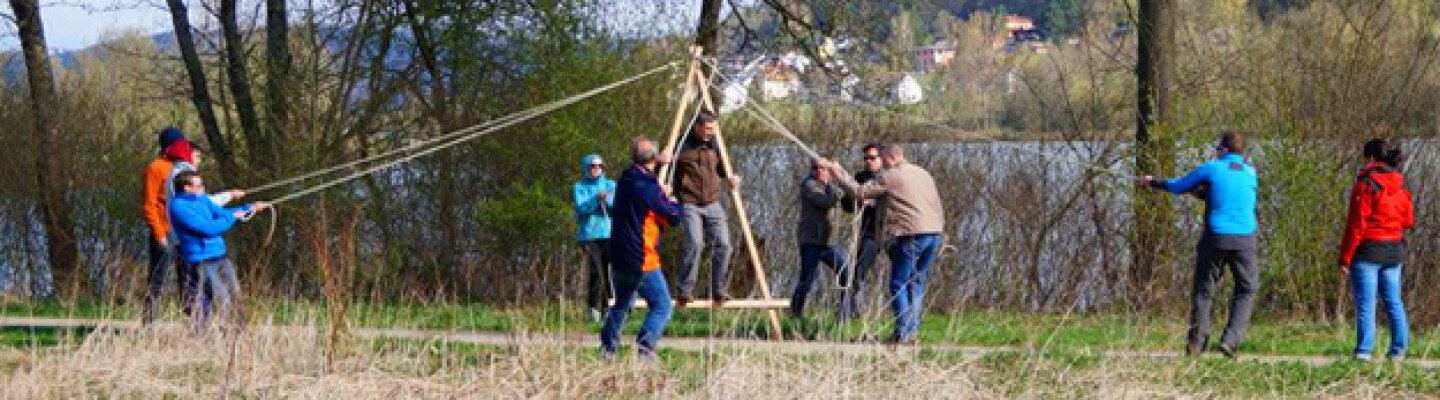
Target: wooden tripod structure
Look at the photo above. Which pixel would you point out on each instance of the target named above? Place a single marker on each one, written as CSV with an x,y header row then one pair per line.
x,y
697,80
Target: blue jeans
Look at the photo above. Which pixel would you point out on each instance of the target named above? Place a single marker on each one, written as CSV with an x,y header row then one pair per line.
x,y
811,255
651,286
1365,279
910,259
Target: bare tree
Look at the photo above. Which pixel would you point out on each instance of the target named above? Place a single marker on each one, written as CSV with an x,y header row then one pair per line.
x,y
237,74
278,66
50,177
199,89
1154,229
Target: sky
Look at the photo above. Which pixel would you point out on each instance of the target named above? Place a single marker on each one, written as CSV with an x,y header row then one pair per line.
x,y
77,24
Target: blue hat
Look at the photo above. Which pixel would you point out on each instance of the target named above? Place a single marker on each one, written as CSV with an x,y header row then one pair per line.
x,y
169,136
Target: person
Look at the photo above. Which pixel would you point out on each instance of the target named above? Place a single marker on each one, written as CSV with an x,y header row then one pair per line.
x,y
594,198
156,194
1228,184
199,224
852,300
643,209
699,171
912,219
1373,246
818,195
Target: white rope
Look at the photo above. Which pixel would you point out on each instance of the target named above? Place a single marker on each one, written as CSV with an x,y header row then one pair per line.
x,y
774,123
472,132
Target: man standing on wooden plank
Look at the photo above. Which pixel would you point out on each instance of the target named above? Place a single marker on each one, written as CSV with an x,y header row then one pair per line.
x,y
643,208
699,171
912,220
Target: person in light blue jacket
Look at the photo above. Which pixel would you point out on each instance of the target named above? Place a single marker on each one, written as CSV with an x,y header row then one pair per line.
x,y
199,224
1229,185
594,197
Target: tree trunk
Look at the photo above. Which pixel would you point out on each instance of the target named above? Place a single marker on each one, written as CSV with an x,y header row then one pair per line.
x,y
262,153
448,251
707,36
51,181
1151,250
199,89
278,65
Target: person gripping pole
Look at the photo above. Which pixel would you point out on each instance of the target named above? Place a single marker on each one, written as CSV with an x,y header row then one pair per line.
x,y
1229,185
643,209
594,196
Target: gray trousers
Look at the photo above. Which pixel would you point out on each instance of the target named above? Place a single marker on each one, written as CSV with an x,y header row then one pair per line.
x,y
1214,255
705,224
219,291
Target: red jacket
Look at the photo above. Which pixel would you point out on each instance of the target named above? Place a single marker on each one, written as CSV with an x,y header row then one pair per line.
x,y
1366,221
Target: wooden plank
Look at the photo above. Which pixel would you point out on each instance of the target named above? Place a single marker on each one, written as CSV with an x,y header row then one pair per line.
x,y
749,304
775,331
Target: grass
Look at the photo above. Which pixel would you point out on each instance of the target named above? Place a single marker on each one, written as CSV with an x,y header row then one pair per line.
x,y
292,362
1077,333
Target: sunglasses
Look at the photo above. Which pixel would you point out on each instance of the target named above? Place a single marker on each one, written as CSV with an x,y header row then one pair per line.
x,y
597,165
871,158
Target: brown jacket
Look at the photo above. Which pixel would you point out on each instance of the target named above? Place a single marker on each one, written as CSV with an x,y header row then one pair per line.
x,y
698,172
908,203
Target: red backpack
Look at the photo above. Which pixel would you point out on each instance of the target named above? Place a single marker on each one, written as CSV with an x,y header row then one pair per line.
x,y
1388,202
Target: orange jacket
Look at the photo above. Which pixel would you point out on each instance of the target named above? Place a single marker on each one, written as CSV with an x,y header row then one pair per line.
x,y
156,174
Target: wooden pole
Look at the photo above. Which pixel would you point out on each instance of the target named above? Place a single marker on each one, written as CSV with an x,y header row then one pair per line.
x,y
774,316
678,123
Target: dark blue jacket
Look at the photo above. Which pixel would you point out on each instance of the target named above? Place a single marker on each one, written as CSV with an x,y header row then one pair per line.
x,y
640,214
199,224
1231,186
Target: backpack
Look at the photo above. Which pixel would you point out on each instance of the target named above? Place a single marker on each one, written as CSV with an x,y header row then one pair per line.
x,y
1388,203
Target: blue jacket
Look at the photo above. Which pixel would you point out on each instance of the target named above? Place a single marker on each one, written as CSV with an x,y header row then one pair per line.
x,y
198,224
641,212
592,219
1231,190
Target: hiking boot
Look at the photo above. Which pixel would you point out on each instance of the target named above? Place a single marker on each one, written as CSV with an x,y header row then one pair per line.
x,y
1365,358
596,316
1228,351
1194,349
681,301
607,355
648,357
720,300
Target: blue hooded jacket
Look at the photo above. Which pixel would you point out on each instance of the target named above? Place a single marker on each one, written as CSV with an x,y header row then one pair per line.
x,y
592,218
199,224
1230,197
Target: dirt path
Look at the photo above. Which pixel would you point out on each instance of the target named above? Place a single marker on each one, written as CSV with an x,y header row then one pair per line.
x,y
591,340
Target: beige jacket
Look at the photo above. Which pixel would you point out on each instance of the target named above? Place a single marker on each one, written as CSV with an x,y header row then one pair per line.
x,y
907,201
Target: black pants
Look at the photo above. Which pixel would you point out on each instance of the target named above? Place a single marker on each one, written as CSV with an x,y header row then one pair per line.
x,y
1214,255
597,283
163,259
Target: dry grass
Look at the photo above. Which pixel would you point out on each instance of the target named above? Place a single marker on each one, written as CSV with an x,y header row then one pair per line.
x,y
278,362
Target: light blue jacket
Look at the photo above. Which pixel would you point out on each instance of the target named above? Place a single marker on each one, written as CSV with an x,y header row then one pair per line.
x,y
199,223
1230,198
592,218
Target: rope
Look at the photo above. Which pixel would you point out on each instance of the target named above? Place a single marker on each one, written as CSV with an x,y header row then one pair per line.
x,y
854,251
774,123
472,133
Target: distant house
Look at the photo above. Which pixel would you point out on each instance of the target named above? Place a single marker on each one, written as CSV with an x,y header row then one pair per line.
x,y
936,55
1020,33
779,81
